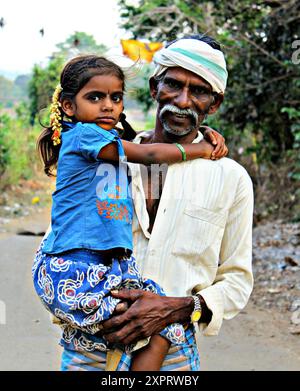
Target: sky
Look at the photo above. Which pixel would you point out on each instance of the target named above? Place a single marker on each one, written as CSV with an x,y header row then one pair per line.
x,y
21,44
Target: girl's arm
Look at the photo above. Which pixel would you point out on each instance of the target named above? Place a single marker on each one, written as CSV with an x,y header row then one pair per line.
x,y
157,153
151,357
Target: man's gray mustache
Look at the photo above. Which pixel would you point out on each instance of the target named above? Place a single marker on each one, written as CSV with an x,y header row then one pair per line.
x,y
175,110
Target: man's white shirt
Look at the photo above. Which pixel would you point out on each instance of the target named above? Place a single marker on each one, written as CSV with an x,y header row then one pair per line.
x,y
202,235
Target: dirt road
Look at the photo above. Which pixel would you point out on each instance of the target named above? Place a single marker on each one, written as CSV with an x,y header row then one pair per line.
x,y
256,340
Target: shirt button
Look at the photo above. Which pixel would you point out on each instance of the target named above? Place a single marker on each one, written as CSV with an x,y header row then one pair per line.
x,y
152,252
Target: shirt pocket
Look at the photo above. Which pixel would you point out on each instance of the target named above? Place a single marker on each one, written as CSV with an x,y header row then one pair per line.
x,y
199,235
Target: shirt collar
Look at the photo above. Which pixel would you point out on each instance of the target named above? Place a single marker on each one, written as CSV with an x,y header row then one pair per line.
x,y
135,168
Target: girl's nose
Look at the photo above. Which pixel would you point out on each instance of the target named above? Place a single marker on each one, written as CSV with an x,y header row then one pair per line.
x,y
183,99
107,104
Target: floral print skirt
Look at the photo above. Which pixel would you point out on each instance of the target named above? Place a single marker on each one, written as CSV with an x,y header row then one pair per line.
x,y
75,287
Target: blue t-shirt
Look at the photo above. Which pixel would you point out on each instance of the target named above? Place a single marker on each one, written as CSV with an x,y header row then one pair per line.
x,y
92,204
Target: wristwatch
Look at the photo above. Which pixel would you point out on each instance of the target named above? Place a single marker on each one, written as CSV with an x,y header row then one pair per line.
x,y
197,311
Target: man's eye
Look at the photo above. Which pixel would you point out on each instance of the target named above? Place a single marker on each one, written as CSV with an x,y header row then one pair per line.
x,y
172,84
199,91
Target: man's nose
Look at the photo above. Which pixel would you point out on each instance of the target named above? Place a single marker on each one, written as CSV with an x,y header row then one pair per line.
x,y
183,99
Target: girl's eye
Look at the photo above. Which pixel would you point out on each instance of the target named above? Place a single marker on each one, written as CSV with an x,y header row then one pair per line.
x,y
94,98
117,98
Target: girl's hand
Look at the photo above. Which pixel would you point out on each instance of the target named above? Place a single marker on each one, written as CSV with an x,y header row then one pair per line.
x,y
207,149
217,140
148,154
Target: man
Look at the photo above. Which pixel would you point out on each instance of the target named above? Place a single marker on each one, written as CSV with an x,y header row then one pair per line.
x,y
194,240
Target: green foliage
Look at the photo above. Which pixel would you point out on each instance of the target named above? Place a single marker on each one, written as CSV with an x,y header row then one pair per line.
x,y
150,122
257,38
78,43
12,91
42,85
294,116
19,126
4,155
260,114
6,87
262,78
17,147
162,19
139,88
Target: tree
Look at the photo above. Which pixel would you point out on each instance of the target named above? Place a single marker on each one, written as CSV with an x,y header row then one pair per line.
x,y
21,82
78,43
12,92
163,19
139,88
261,108
6,87
257,38
42,85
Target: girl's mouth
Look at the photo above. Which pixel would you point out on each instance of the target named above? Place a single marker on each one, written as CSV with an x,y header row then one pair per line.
x,y
106,120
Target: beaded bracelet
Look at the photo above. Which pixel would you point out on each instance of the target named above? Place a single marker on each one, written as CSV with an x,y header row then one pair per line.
x,y
182,150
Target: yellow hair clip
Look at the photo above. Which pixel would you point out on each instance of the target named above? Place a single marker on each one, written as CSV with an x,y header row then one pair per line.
x,y
55,116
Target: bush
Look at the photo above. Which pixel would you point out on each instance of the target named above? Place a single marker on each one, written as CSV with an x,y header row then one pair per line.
x,y
18,157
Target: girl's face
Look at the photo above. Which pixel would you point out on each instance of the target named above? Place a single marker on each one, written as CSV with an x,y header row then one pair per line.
x,y
100,101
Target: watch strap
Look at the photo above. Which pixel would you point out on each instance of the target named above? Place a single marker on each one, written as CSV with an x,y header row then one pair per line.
x,y
197,312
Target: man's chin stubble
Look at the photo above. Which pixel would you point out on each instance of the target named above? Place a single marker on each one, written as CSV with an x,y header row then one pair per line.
x,y
178,133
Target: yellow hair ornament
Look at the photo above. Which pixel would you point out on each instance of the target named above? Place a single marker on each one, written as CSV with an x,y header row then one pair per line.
x,y
55,116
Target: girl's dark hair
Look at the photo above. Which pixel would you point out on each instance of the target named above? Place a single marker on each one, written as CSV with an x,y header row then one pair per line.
x,y
75,75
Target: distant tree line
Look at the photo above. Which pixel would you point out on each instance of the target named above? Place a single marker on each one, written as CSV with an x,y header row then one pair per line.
x,y
12,92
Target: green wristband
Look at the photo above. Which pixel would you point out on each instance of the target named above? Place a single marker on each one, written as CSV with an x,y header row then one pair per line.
x,y
183,154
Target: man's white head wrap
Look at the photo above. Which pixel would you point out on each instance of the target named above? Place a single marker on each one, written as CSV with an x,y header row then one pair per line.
x,y
195,56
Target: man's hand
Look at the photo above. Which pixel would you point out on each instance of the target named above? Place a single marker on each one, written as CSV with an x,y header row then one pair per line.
x,y
217,140
147,315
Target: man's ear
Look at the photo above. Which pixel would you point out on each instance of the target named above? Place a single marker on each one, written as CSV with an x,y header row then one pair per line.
x,y
153,87
68,107
217,100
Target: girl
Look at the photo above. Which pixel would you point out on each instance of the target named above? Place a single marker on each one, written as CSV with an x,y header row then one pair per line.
x,y
87,252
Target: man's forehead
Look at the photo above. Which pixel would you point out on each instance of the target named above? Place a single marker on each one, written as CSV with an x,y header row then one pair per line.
x,y
182,74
